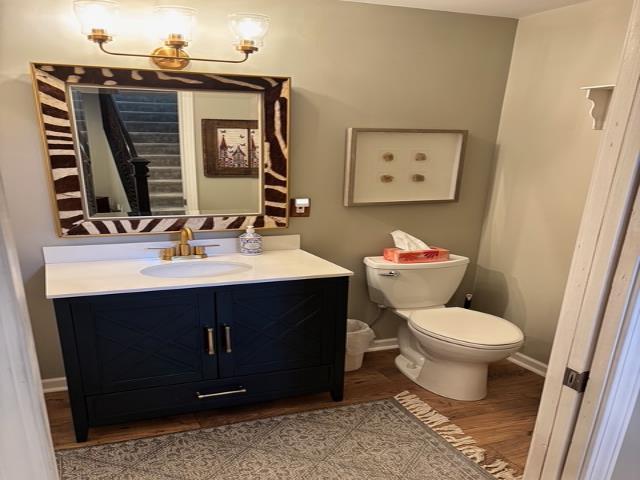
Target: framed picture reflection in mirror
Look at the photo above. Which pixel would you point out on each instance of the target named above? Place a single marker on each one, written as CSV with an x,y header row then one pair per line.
x,y
231,148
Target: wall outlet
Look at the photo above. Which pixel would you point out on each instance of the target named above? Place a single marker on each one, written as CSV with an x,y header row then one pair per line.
x,y
299,207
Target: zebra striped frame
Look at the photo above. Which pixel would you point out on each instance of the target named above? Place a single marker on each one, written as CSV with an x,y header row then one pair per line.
x,y
50,87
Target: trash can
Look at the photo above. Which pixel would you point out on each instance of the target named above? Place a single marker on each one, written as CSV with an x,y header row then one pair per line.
x,y
359,337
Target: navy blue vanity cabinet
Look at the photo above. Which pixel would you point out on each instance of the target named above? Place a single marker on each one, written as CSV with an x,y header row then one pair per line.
x,y
138,340
275,327
141,355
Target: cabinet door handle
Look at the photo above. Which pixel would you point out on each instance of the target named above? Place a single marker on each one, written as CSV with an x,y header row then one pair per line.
x,y
211,344
227,338
202,396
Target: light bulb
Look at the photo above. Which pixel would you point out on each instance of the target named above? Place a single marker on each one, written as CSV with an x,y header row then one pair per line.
x,y
174,23
249,29
96,16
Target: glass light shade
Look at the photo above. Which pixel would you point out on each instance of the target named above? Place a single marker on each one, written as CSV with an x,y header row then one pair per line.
x,y
174,22
249,27
96,15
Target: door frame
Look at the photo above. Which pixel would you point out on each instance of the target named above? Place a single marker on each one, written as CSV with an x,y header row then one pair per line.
x,y
188,158
26,448
611,396
581,331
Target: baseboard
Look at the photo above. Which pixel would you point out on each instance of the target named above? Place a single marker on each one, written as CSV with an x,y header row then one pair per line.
x,y
383,344
529,363
50,385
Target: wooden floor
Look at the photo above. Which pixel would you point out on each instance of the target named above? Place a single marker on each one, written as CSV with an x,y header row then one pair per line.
x,y
501,423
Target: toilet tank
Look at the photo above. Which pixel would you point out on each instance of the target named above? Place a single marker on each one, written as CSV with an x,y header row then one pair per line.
x,y
414,285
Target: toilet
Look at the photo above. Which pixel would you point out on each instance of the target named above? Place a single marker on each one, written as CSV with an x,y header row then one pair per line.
x,y
444,350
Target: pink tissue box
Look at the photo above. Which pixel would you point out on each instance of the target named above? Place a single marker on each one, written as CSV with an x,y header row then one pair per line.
x,y
398,255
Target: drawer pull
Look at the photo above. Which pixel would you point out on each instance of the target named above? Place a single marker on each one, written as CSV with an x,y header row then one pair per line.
x,y
227,338
220,394
211,349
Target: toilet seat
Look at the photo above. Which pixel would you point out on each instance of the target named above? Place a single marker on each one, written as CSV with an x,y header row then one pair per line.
x,y
464,327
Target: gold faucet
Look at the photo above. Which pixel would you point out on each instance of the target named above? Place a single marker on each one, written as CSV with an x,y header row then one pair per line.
x,y
184,250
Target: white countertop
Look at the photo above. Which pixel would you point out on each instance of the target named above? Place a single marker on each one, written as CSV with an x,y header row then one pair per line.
x,y
104,277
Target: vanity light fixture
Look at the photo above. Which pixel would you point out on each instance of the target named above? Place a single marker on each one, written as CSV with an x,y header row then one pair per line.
x,y
174,25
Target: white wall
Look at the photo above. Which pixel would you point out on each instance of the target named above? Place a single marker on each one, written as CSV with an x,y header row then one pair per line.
x,y
545,154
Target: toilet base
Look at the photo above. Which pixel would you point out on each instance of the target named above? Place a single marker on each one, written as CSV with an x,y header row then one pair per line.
x,y
456,380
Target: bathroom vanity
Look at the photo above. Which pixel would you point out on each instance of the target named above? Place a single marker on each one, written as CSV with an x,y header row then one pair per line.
x,y
269,326
144,337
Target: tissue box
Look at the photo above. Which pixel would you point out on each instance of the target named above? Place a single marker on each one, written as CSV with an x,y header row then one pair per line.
x,y
398,255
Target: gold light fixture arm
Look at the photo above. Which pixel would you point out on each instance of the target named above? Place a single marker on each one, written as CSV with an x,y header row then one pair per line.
x,y
175,25
172,58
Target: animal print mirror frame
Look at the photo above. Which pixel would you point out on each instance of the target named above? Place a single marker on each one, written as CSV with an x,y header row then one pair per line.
x,y
51,84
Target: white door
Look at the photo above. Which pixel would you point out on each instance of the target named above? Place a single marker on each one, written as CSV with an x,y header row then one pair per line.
x,y
26,451
612,391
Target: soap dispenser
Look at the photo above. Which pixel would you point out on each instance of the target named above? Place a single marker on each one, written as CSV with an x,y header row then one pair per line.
x,y
250,242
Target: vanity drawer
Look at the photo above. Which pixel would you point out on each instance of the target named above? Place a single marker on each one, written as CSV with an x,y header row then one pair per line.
x,y
187,397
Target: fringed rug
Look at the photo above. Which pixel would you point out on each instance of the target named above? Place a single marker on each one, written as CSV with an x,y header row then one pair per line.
x,y
401,438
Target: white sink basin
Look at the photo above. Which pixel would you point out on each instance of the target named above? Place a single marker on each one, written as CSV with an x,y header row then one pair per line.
x,y
192,269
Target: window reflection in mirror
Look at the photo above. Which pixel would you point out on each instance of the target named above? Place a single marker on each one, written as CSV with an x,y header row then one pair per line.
x,y
168,153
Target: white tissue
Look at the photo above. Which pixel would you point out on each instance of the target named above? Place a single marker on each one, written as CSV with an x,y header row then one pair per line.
x,y
407,242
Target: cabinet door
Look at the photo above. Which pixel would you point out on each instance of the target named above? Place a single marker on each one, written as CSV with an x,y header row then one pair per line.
x,y
275,326
141,340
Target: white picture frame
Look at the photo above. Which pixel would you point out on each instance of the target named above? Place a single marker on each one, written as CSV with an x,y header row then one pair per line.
x,y
400,166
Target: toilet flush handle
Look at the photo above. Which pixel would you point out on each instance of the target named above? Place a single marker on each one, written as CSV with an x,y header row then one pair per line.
x,y
391,273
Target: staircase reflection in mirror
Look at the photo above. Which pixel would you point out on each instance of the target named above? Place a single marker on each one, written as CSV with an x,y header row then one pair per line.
x,y
146,152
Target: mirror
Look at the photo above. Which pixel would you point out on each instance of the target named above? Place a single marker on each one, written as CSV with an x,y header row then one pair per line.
x,y
151,151
193,152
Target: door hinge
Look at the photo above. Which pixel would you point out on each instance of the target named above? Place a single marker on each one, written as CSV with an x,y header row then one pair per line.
x,y
575,380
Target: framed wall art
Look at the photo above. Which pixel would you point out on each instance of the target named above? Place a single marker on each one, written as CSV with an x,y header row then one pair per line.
x,y
231,148
73,186
398,166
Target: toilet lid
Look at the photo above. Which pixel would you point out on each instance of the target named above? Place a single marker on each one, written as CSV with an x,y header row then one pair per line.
x,y
381,263
466,327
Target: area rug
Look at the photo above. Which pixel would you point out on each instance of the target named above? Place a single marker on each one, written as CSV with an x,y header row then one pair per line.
x,y
401,438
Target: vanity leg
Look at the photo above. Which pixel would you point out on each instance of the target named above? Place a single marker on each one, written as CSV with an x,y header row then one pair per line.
x,y
72,368
82,432
337,393
340,293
